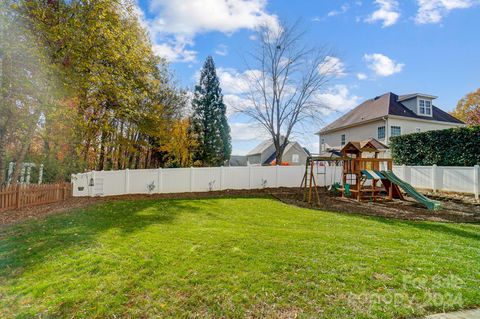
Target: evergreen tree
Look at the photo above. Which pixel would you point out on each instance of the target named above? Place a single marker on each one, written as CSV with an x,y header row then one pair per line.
x,y
209,123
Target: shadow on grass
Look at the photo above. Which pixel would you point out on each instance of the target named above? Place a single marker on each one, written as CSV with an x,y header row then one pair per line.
x,y
444,228
28,244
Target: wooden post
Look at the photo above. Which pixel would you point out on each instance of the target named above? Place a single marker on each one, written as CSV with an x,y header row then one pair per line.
x,y
359,187
311,182
390,191
18,203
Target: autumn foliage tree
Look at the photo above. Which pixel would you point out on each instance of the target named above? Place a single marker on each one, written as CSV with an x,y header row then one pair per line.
x,y
468,108
180,146
104,100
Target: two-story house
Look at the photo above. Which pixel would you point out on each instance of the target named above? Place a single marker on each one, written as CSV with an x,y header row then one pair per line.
x,y
385,116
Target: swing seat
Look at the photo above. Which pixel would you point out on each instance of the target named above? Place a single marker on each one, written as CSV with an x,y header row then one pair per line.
x,y
347,190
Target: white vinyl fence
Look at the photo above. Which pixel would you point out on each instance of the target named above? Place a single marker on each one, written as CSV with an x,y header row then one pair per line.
x,y
181,180
442,178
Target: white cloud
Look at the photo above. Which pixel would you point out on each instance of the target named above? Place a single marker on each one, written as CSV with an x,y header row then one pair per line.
x,y
236,87
432,11
232,81
362,76
382,65
332,66
176,23
343,9
235,104
197,16
222,50
175,50
387,12
247,132
337,98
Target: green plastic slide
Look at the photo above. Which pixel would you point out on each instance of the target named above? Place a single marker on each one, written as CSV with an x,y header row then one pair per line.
x,y
430,204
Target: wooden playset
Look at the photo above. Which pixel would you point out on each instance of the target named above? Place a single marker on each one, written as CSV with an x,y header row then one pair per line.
x,y
365,176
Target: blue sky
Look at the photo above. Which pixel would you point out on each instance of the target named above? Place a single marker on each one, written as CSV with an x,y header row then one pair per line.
x,y
428,46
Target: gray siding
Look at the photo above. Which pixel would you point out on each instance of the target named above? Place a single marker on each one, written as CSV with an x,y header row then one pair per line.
x,y
254,159
296,149
267,153
411,104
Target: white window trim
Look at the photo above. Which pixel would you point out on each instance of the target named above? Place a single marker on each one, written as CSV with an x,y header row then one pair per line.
x,y
295,158
395,126
384,132
425,108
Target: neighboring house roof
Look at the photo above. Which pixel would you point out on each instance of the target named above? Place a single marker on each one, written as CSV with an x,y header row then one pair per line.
x,y
270,159
307,151
260,148
265,145
384,105
237,160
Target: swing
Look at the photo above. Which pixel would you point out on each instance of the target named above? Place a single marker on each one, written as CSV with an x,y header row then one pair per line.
x,y
332,178
347,190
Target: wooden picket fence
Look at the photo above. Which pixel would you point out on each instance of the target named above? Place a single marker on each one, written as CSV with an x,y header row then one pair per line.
x,y
18,196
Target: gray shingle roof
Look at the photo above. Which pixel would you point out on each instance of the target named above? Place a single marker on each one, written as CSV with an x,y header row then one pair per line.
x,y
384,105
260,148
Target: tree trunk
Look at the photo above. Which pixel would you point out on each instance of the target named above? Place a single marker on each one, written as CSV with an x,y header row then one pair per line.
x,y
6,104
3,159
25,146
101,160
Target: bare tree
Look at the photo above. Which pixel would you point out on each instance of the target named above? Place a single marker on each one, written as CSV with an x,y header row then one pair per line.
x,y
284,82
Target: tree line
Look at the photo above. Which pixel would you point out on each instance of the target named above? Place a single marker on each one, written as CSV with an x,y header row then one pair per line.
x,y
81,89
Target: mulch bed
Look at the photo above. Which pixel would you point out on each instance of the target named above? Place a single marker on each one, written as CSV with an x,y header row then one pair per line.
x,y
453,211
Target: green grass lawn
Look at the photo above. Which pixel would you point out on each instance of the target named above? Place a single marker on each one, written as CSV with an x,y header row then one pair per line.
x,y
234,257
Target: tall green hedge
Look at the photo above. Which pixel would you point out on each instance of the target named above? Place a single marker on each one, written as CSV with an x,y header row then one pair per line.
x,y
452,147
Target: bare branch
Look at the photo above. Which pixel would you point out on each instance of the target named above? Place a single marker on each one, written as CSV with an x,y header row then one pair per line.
x,y
286,82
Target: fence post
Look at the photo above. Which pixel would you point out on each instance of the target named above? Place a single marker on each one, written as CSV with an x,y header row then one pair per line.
x,y
404,172
19,190
222,177
159,180
191,179
476,181
127,181
276,175
434,177
249,177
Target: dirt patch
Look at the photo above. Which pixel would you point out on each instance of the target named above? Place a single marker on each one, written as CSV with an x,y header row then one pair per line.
x,y
453,211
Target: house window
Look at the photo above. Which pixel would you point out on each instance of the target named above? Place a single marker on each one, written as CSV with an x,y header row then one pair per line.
x,y
295,158
424,107
396,131
322,144
381,132
343,139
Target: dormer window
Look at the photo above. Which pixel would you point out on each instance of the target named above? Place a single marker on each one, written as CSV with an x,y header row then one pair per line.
x,y
424,107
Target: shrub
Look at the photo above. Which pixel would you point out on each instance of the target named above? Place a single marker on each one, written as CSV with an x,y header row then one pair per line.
x,y
452,147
